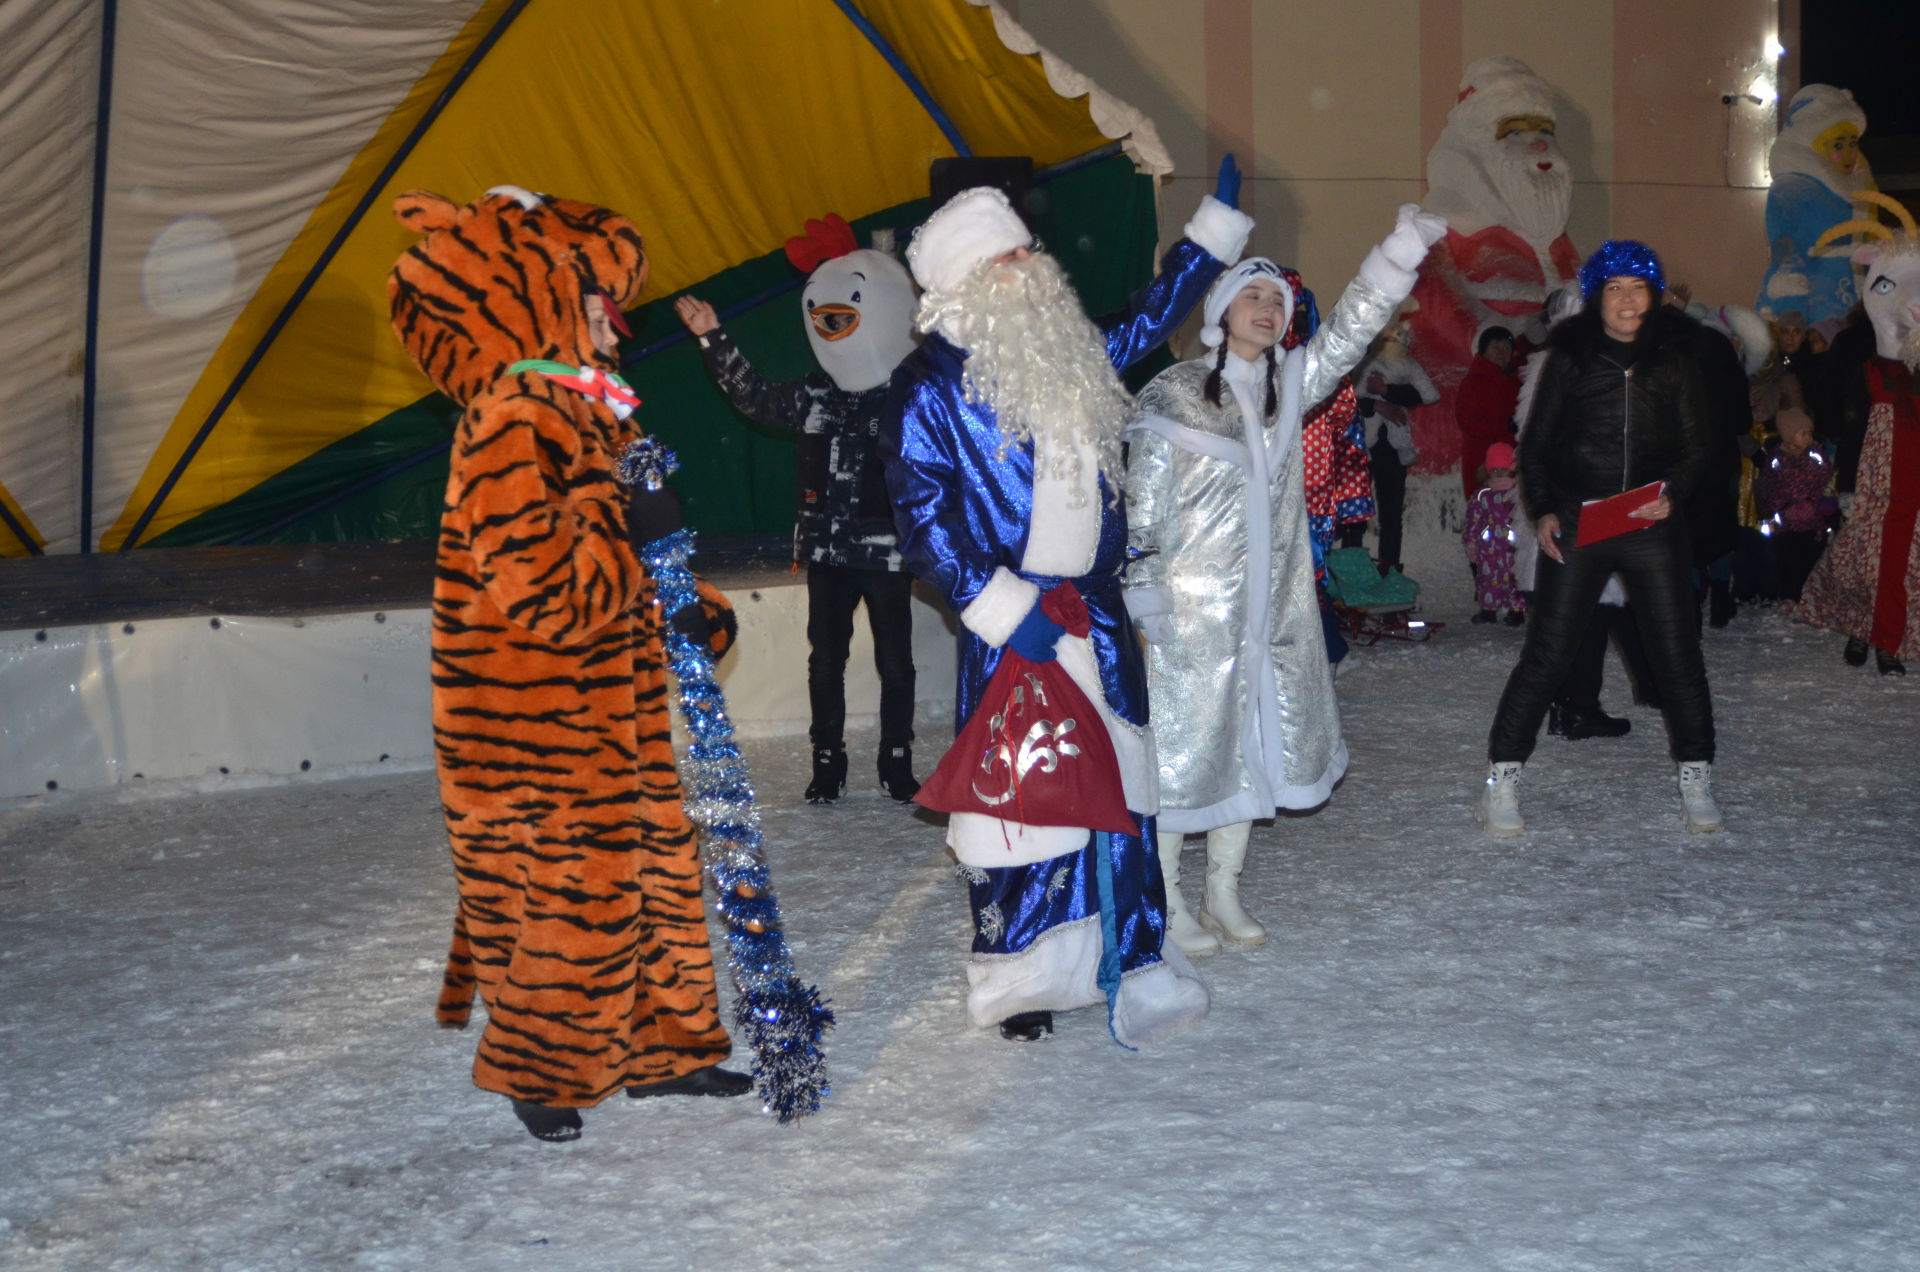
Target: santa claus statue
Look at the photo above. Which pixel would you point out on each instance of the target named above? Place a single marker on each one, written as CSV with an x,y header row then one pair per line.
x,y
1498,176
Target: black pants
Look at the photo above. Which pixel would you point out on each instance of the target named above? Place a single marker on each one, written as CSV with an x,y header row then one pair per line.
x,y
1389,496
1581,689
1655,565
833,592
1794,556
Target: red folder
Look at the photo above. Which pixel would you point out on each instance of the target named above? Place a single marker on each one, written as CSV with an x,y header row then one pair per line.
x,y
1605,518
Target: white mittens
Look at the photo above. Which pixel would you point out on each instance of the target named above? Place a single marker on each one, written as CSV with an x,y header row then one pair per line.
x,y
1392,266
1157,628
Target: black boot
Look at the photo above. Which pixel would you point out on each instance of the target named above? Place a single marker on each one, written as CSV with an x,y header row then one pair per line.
x,y
1515,618
1856,652
829,775
709,1081
1484,616
1888,664
896,773
545,1122
1027,1026
1721,606
1576,724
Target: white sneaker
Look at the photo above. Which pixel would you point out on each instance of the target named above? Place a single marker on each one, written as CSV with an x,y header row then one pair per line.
x,y
1697,808
1498,807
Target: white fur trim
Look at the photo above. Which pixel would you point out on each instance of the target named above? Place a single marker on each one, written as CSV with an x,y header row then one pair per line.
x,y
1056,973
1132,744
970,229
1249,806
1143,602
1160,1000
519,194
991,842
998,609
1063,531
1386,277
1221,230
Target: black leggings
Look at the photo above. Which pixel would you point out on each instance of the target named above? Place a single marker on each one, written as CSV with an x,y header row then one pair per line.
x,y
1655,565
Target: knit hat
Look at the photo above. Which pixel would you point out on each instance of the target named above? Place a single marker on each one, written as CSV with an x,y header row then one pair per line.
x,y
1231,284
971,228
1621,258
1500,455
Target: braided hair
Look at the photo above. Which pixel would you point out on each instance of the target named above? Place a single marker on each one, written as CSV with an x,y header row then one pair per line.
x,y
1216,381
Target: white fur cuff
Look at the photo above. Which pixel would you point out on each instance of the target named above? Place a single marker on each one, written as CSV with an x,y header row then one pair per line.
x,y
1144,602
1384,276
998,609
1221,230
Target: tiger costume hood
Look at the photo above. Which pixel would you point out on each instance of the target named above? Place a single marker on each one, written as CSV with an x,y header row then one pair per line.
x,y
522,266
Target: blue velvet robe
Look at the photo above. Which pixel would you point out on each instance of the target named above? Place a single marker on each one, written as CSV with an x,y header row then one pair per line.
x,y
961,513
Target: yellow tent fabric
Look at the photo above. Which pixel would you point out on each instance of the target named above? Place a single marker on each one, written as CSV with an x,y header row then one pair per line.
x,y
719,127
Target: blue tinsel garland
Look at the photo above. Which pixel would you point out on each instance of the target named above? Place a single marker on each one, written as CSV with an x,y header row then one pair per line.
x,y
782,1020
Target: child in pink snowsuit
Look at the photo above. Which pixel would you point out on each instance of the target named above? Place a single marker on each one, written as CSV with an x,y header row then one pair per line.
x,y
1489,537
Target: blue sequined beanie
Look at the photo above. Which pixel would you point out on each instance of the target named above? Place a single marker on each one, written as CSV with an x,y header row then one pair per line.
x,y
1621,258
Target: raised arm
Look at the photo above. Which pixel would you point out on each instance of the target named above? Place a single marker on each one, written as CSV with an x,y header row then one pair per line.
x,y
1385,280
1211,241
771,403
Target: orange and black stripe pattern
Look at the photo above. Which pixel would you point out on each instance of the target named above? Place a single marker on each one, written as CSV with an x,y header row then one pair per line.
x,y
580,922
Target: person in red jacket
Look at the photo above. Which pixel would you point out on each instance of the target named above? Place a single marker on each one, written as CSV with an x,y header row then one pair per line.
x,y
1484,409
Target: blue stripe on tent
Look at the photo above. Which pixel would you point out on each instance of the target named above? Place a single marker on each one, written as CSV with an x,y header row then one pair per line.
x,y
19,531
637,356
406,146
906,75
103,109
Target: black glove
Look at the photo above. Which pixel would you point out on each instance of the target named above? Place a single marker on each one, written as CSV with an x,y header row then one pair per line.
x,y
652,514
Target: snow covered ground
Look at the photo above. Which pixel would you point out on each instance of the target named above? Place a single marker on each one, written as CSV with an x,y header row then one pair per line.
x,y
1608,1045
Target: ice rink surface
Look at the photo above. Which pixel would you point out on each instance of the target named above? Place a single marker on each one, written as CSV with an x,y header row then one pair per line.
x,y
1607,1045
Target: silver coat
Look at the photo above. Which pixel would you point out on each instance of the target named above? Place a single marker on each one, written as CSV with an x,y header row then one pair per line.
x,y
1241,699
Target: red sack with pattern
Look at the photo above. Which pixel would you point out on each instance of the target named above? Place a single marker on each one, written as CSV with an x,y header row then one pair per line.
x,y
1035,750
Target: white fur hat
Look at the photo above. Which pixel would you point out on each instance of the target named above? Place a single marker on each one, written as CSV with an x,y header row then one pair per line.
x,y
1818,107
1231,284
1495,87
974,226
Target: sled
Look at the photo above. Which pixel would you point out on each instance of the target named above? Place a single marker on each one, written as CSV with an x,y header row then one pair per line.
x,y
1373,607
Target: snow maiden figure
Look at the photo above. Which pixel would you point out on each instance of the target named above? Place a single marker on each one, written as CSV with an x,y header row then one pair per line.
x,y
1868,584
1243,714
1818,173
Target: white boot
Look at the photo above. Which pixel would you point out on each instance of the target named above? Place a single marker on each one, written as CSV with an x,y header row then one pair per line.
x,y
1499,805
1697,808
1187,936
1221,912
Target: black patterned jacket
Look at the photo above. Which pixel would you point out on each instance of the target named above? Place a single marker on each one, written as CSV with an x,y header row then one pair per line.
x,y
845,517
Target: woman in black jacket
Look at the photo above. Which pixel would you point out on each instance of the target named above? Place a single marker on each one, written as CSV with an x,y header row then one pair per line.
x,y
1620,404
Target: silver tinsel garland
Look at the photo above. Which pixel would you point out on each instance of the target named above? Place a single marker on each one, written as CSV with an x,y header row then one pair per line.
x,y
781,1019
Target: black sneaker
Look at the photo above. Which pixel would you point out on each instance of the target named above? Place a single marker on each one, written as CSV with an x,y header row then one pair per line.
x,y
543,1122
1888,664
1027,1026
1515,618
1856,652
1485,616
896,773
829,775
709,1081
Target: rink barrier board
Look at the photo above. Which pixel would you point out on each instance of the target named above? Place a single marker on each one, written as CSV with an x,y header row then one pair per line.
x,y
204,701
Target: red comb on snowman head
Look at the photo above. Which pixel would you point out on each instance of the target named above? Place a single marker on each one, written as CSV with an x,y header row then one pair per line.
x,y
825,239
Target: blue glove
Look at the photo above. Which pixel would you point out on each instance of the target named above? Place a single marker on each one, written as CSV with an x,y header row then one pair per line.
x,y
1034,639
1226,186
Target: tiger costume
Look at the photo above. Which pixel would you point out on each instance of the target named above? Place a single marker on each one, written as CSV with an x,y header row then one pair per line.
x,y
580,917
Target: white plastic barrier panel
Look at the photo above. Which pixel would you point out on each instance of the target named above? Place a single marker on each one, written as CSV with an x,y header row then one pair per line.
x,y
253,700
186,698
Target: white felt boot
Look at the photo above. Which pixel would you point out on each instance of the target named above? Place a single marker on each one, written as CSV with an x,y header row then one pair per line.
x,y
1499,805
1221,912
1697,808
1187,936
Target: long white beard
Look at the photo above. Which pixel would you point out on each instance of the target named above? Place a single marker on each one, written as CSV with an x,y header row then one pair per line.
x,y
1536,202
1037,361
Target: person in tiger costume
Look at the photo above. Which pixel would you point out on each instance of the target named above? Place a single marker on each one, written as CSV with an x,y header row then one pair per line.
x,y
580,918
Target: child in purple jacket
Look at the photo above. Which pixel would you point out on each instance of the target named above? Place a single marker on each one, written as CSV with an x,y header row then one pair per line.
x,y
1489,536
1793,494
